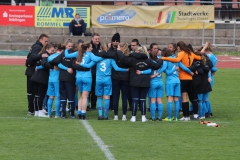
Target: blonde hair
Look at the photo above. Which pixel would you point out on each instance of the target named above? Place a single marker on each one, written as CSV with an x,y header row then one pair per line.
x,y
104,47
209,47
124,48
143,49
69,40
204,59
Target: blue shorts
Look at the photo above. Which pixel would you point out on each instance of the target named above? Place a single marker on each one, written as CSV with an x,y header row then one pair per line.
x,y
103,87
84,84
53,89
156,90
173,89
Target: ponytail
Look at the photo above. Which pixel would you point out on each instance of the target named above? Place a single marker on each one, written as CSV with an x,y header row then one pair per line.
x,y
82,50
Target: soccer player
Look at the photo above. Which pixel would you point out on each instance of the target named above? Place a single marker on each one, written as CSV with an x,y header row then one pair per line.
x,y
186,57
40,79
83,78
172,84
156,90
53,83
104,83
208,50
139,83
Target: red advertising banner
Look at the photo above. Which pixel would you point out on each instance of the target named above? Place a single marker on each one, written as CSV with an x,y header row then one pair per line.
x,y
17,15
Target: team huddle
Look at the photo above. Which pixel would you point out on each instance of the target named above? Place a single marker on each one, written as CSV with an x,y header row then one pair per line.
x,y
99,72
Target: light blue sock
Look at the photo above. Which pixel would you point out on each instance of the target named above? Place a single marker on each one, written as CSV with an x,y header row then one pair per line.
x,y
79,112
153,110
169,110
160,110
106,107
208,104
99,102
205,110
200,109
49,105
180,103
57,106
176,104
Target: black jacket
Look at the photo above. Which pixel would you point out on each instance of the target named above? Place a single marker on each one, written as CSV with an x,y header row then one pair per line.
x,y
124,76
33,57
205,86
139,61
64,75
41,76
95,50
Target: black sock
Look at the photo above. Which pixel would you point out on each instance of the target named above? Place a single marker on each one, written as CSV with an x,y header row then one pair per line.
x,y
185,109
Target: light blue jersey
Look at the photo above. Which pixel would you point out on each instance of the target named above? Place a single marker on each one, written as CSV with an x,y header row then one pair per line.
x,y
86,59
103,76
53,73
156,89
104,68
172,79
213,59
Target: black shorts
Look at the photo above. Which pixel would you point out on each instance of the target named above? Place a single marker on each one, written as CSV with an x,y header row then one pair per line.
x,y
186,86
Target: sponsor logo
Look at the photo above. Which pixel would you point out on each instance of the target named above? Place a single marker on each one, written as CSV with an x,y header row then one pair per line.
x,y
116,16
169,19
55,12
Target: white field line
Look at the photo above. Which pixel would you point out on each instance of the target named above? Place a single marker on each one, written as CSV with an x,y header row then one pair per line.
x,y
98,140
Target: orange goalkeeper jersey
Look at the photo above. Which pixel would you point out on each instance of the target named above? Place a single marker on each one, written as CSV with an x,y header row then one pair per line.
x,y
186,60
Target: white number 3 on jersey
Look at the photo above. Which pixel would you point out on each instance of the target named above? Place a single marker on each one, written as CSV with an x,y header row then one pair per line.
x,y
103,67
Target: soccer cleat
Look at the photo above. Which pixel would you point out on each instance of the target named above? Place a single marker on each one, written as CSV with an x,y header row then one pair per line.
x,y
100,118
159,119
79,116
63,117
105,118
36,113
83,117
72,117
184,119
167,119
144,119
207,115
115,118
210,115
57,116
195,119
44,111
49,116
41,114
124,118
203,117
152,120
30,113
133,119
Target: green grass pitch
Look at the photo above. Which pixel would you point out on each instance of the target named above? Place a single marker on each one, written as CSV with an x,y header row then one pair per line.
x,y
23,137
